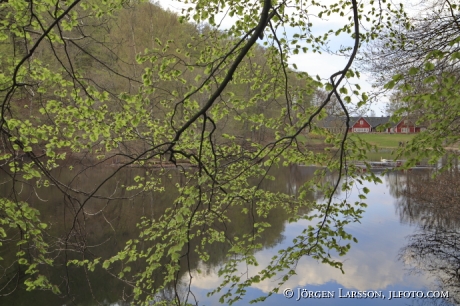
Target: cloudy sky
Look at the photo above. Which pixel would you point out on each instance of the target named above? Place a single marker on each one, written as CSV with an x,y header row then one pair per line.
x,y
323,64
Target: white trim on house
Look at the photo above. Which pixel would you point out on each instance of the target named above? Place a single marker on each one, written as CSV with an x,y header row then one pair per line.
x,y
361,130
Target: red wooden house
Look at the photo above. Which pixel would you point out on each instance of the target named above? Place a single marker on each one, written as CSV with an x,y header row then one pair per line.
x,y
361,126
366,124
405,126
369,124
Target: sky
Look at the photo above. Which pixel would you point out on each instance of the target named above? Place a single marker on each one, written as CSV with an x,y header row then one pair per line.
x,y
314,64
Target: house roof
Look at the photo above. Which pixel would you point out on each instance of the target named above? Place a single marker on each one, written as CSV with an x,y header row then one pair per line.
x,y
409,121
339,121
332,121
373,121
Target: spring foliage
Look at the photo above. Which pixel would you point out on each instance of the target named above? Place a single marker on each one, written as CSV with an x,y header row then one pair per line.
x,y
100,82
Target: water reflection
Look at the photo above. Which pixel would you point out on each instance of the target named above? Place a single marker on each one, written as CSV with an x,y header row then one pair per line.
x,y
424,234
433,204
383,236
105,226
100,231
370,265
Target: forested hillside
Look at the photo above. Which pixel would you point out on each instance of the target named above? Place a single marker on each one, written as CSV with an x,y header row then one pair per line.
x,y
107,63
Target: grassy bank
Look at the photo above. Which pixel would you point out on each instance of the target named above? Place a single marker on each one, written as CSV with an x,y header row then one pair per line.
x,y
384,140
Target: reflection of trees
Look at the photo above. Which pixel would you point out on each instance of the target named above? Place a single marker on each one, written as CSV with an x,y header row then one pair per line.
x,y
106,225
394,180
434,205
436,250
101,230
289,180
431,201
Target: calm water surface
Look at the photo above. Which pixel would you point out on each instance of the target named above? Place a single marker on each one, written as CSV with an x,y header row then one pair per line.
x,y
381,262
378,262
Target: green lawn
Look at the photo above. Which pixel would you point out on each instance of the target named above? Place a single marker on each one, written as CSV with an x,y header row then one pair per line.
x,y
381,140
384,140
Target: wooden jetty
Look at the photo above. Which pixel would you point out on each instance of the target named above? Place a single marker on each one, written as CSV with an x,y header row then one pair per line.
x,y
384,164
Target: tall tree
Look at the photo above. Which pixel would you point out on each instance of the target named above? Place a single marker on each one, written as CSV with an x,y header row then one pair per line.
x,y
419,62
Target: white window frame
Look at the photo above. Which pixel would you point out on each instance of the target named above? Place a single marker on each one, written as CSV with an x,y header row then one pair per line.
x,y
361,130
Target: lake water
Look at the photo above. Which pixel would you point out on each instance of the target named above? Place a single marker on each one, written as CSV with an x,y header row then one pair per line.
x,y
392,236
377,266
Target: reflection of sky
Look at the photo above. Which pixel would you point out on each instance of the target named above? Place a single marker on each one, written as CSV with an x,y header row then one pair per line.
x,y
372,264
331,286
